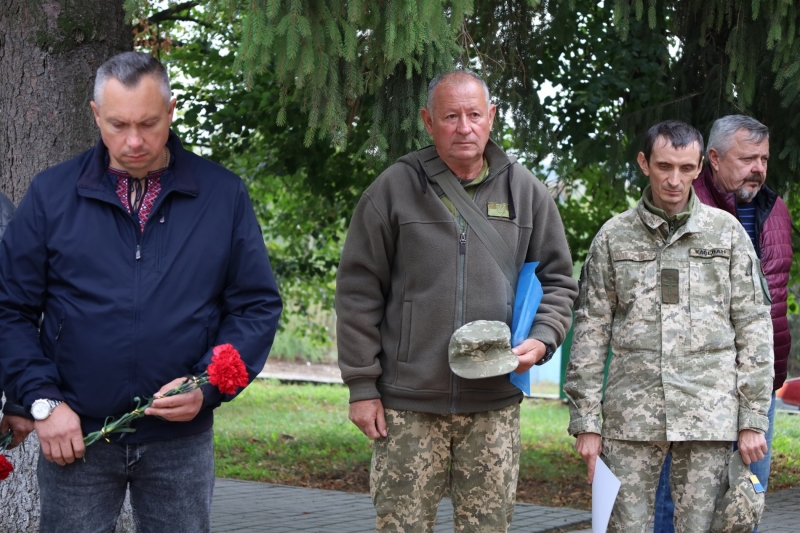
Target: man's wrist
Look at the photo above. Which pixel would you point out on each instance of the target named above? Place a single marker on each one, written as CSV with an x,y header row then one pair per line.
x,y
548,354
42,408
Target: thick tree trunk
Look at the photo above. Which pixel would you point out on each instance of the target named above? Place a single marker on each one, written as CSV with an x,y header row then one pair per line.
x,y
49,52
20,492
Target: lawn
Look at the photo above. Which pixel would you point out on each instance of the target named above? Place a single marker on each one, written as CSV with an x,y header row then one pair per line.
x,y
785,452
300,435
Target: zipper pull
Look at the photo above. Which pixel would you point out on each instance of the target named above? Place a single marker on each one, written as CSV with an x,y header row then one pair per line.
x,y
161,220
462,240
138,251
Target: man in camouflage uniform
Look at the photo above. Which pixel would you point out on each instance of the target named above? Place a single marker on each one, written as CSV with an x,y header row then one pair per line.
x,y
674,288
411,274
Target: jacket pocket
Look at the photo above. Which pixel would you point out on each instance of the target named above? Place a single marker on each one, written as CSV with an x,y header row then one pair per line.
x,y
51,331
709,286
405,333
709,303
635,275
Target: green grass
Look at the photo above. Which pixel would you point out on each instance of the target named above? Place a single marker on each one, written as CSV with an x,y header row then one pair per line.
x,y
300,434
276,433
271,430
785,452
291,346
543,428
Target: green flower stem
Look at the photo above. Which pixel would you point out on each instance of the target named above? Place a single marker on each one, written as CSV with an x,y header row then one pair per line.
x,y
5,440
123,423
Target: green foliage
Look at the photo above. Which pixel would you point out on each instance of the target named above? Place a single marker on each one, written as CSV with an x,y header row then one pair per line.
x,y
792,198
330,55
785,471
305,338
620,66
587,201
736,56
303,195
325,93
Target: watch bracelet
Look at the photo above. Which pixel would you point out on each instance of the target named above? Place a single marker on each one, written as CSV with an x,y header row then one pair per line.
x,y
548,354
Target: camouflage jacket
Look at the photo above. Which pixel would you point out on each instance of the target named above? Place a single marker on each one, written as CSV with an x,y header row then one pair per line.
x,y
688,322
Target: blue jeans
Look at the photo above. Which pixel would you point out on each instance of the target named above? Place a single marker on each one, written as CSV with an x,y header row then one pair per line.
x,y
171,486
665,509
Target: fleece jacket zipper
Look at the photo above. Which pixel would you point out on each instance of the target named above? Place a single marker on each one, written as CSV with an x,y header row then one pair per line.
x,y
462,228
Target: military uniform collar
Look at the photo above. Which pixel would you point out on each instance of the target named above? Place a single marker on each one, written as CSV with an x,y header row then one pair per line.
x,y
655,221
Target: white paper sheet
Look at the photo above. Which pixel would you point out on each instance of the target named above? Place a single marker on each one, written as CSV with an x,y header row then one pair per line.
x,y
605,487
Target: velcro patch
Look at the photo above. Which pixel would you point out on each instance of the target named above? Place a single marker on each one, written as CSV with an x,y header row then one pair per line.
x,y
633,255
497,210
670,285
710,252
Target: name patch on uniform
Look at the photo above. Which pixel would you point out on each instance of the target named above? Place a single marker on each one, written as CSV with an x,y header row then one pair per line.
x,y
710,252
670,284
497,210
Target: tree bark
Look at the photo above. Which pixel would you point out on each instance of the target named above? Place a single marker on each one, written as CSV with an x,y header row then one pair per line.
x,y
49,53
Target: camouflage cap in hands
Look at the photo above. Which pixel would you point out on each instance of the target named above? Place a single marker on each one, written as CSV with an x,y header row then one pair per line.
x,y
739,507
482,349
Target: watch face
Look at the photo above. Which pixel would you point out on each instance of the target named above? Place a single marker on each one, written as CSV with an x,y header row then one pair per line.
x,y
40,409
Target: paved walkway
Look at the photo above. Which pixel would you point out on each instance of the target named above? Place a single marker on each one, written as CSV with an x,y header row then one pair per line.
x,y
247,507
242,506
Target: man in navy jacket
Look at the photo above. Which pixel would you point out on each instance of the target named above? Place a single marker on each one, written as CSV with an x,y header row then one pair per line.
x,y
14,417
120,271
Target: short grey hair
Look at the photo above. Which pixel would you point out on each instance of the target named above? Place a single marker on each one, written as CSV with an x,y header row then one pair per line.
x,y
454,77
128,68
723,130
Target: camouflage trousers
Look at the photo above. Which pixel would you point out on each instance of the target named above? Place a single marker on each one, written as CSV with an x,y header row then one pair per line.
x,y
475,455
698,468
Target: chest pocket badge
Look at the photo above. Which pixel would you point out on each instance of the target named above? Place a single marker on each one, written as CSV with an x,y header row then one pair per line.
x,y
670,285
495,209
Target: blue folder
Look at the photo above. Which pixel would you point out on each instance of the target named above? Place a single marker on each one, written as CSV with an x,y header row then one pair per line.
x,y
526,303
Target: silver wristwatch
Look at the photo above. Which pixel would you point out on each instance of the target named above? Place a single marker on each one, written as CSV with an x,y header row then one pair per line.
x,y
41,408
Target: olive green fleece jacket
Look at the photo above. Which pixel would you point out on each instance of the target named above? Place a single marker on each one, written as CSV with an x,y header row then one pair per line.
x,y
407,281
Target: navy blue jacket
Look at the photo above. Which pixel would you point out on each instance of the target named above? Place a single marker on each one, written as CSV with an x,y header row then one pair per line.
x,y
124,313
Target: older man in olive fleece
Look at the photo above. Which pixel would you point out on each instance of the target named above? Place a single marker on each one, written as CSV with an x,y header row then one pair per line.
x,y
412,273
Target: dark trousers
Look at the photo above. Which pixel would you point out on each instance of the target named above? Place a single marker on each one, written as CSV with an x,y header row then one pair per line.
x,y
171,485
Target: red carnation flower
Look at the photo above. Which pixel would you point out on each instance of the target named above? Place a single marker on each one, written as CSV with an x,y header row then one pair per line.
x,y
227,371
5,467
